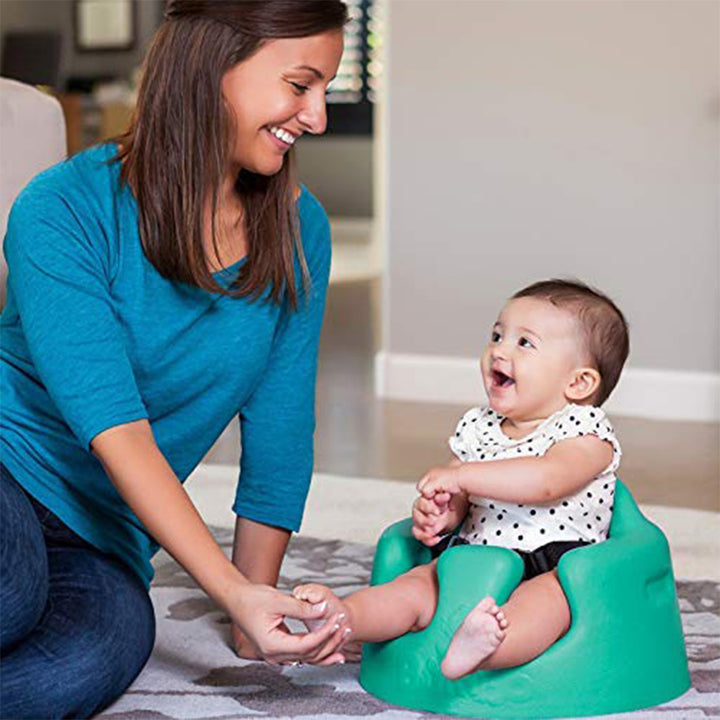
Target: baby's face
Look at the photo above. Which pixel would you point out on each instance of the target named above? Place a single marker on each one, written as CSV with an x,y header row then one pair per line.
x,y
530,360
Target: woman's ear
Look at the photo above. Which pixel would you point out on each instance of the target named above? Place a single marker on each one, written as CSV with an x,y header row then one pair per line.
x,y
585,382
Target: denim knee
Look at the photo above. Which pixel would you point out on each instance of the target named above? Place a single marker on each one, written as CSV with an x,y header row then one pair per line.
x,y
119,644
23,564
91,644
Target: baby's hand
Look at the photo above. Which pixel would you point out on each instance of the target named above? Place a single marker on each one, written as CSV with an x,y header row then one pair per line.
x,y
443,481
430,519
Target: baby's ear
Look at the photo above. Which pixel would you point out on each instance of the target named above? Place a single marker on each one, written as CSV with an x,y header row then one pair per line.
x,y
585,382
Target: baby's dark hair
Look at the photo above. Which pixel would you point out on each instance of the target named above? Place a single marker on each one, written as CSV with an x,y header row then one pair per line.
x,y
604,327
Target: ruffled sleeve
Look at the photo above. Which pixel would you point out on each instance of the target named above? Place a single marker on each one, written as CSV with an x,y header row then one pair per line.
x,y
579,420
464,439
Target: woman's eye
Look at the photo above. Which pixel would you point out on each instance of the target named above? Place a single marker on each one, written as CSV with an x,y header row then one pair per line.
x,y
524,342
495,337
299,87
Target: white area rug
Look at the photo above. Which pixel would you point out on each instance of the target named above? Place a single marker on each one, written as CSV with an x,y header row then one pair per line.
x,y
359,509
193,674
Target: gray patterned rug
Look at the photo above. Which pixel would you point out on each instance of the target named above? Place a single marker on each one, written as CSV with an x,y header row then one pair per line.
x,y
193,674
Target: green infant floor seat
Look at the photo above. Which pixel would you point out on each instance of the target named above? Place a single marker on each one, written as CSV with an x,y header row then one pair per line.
x,y
624,651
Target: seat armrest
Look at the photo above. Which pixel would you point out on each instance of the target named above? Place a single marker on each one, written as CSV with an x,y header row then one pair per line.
x,y
635,554
397,552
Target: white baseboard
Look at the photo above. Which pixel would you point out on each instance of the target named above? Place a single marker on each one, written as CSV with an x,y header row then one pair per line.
x,y
641,392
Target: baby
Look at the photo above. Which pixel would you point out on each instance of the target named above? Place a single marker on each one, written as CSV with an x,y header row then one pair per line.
x,y
534,471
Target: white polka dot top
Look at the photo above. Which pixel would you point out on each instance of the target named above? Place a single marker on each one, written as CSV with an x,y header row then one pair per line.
x,y
583,516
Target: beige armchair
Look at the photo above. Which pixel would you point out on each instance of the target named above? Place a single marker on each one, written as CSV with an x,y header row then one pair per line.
x,y
32,138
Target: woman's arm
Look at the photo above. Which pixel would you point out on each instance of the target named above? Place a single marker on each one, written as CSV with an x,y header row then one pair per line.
x,y
149,486
277,423
563,470
258,552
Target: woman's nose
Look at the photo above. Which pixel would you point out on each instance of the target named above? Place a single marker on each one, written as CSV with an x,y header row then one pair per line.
x,y
313,116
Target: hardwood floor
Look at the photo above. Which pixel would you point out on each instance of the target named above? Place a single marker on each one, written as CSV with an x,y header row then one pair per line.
x,y
664,463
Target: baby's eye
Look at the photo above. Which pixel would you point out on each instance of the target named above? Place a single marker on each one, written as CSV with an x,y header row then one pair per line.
x,y
495,336
524,342
299,87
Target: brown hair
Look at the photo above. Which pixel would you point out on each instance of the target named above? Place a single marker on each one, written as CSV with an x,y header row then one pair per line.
x,y
604,327
175,152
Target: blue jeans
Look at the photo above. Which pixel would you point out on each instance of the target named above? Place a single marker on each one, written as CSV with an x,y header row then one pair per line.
x,y
76,625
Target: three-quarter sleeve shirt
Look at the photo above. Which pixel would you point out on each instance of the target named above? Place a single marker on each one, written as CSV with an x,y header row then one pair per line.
x,y
93,337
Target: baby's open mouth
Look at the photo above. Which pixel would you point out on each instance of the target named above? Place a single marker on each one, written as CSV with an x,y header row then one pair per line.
x,y
500,379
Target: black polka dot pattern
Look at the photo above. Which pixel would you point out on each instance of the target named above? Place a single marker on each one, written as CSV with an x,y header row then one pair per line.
x,y
481,436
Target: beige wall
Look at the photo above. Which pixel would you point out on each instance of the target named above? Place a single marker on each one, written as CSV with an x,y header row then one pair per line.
x,y
339,170
529,139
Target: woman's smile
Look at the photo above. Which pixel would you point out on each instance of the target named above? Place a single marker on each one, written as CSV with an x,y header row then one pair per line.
x,y
280,137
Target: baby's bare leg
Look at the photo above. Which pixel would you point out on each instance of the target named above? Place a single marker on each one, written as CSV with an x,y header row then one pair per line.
x,y
479,636
538,614
384,612
534,617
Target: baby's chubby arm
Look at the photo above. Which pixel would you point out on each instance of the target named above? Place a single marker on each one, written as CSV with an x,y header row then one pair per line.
x,y
565,468
438,514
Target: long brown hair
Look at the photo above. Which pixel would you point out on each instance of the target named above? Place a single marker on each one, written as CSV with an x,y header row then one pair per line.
x,y
174,155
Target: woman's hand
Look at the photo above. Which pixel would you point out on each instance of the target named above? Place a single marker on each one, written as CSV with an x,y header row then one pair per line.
x,y
260,611
241,644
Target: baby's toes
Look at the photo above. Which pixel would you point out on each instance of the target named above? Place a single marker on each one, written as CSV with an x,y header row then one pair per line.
x,y
486,605
310,593
300,592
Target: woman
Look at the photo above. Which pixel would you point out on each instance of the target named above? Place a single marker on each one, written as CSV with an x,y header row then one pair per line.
x,y
157,288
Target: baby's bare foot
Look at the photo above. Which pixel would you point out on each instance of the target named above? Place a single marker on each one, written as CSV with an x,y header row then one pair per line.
x,y
476,639
319,594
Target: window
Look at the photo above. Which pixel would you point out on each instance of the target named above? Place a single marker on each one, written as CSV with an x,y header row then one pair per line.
x,y
352,94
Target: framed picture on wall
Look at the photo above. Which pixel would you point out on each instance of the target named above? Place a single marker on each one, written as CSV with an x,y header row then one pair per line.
x,y
105,25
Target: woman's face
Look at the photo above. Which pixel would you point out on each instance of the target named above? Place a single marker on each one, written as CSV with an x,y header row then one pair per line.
x,y
277,95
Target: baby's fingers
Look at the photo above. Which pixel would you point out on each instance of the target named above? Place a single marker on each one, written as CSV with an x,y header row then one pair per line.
x,y
417,533
427,507
420,520
429,539
426,487
310,593
429,526
421,535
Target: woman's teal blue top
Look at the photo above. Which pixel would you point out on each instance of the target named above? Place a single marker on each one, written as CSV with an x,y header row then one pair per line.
x,y
92,336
